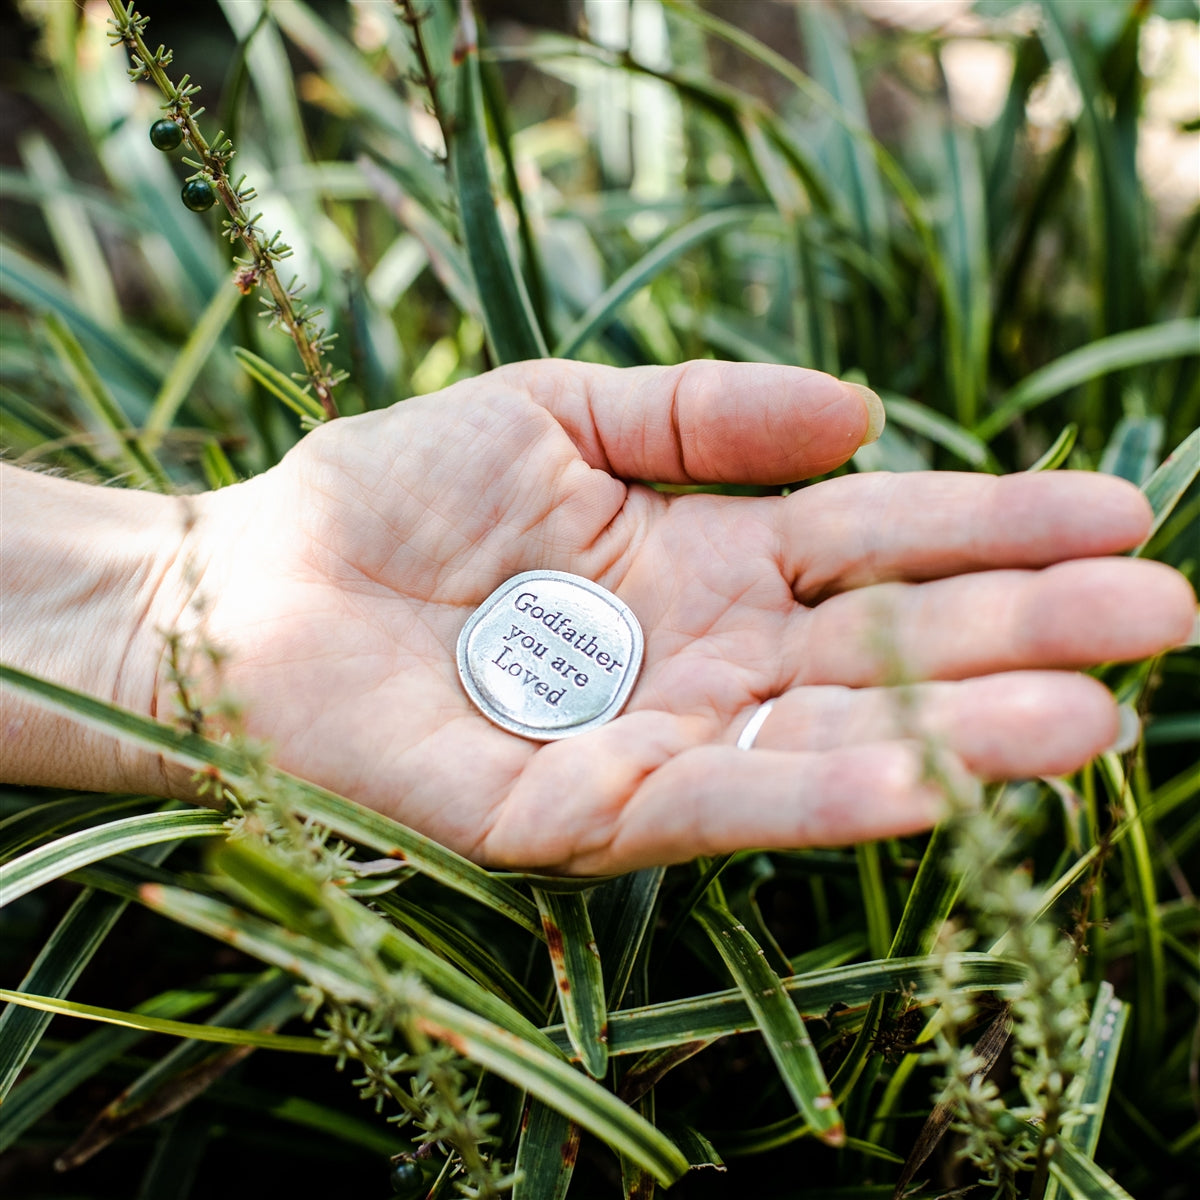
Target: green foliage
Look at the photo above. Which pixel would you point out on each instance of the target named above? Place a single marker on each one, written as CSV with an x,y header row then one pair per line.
x,y
453,199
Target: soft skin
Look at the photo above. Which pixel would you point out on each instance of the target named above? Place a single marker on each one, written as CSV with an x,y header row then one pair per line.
x,y
336,585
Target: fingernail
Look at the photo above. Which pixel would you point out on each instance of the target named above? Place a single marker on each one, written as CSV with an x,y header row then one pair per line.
x,y
876,418
1128,731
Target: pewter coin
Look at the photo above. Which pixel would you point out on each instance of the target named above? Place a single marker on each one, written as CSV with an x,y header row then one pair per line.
x,y
548,655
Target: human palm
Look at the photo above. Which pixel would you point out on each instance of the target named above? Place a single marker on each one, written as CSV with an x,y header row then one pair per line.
x,y
339,582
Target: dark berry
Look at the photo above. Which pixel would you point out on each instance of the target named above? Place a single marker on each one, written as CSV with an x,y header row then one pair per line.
x,y
199,195
407,1179
166,134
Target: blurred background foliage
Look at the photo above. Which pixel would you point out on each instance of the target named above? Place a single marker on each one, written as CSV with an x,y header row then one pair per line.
x,y
989,212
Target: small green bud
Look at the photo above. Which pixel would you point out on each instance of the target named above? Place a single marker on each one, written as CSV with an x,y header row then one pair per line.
x,y
166,134
199,195
1009,1126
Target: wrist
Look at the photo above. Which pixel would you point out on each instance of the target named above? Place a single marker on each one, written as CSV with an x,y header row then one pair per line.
x,y
93,577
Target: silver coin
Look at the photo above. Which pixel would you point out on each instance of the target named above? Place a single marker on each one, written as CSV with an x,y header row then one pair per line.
x,y
548,655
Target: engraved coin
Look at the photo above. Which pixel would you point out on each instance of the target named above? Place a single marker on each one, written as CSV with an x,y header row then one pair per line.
x,y
548,655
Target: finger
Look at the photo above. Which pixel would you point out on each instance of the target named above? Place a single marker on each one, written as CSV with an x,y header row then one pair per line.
x,y
717,799
648,789
1071,615
1001,726
706,422
862,529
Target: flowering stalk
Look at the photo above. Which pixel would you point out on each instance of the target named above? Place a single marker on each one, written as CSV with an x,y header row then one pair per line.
x,y
281,303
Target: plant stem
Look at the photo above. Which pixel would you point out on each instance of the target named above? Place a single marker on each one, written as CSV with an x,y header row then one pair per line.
x,y
128,25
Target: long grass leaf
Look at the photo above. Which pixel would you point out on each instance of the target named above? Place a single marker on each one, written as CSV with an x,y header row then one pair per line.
x,y
1165,488
775,1015
146,1023
60,1075
305,907
1091,1087
719,1014
1058,451
1081,1178
528,1066
622,912
96,397
55,859
508,317
70,226
188,1070
59,963
36,824
1153,343
1133,448
279,385
578,975
462,950
188,364
342,816
603,309
546,1154
30,284
941,430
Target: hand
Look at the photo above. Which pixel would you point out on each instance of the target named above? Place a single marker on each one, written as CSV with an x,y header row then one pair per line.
x,y
338,583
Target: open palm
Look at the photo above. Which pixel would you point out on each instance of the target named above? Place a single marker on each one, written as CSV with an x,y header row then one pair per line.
x,y
339,582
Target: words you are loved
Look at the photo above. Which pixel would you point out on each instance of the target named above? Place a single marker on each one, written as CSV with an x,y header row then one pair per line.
x,y
548,653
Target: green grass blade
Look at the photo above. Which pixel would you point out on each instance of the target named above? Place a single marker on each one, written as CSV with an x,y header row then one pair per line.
x,y
66,854
30,826
603,310
622,911
59,963
521,1062
578,975
29,283
546,1154
70,226
1080,1178
306,907
462,950
344,817
58,1077
508,317
1150,975
1133,448
834,69
775,1015
98,400
189,362
1092,1085
188,1070
376,104
279,385
1153,343
719,1014
1059,450
941,430
146,1023
1165,488
966,299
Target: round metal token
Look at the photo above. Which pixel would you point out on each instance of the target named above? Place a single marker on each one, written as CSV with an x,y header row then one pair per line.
x,y
548,655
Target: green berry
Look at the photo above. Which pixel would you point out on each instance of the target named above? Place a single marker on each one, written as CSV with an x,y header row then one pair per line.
x,y
1009,1126
166,134
199,195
